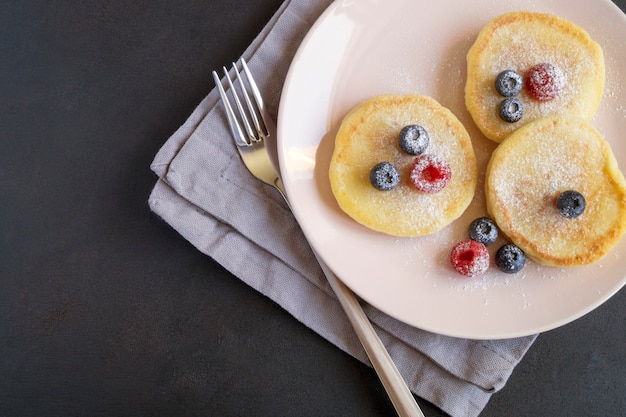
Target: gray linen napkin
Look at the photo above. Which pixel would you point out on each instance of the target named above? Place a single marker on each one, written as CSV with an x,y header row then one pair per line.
x,y
201,179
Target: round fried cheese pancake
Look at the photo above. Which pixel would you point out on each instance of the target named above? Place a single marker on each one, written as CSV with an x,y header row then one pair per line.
x,y
369,135
518,41
529,170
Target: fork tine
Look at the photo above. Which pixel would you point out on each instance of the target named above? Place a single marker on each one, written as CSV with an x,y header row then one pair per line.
x,y
260,134
242,114
242,121
263,130
235,128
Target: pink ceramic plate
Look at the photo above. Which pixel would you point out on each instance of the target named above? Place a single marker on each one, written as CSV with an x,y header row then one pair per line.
x,y
358,49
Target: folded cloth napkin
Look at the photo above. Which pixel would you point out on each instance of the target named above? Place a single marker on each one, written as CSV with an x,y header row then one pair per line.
x,y
206,194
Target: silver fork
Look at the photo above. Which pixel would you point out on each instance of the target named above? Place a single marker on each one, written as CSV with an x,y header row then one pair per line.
x,y
250,126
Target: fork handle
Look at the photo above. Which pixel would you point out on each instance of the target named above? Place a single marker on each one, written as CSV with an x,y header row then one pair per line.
x,y
397,390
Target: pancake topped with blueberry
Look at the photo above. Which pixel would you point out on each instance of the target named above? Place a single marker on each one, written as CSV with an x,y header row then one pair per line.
x,y
524,66
555,190
403,165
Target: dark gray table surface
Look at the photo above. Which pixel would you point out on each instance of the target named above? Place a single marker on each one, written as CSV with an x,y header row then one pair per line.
x,y
106,311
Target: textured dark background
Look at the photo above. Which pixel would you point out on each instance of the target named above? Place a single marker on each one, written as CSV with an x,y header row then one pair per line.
x,y
106,311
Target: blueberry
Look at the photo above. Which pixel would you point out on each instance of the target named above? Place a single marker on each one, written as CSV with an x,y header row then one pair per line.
x,y
384,176
510,258
571,204
483,230
511,109
413,139
509,83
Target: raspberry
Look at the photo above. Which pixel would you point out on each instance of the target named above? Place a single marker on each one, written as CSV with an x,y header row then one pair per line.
x,y
545,81
430,173
469,258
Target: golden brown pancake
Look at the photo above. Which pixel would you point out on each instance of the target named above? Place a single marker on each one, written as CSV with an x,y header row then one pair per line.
x,y
369,135
529,170
519,41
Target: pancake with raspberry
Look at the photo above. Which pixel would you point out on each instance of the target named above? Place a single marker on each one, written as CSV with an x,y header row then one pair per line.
x,y
403,165
524,66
